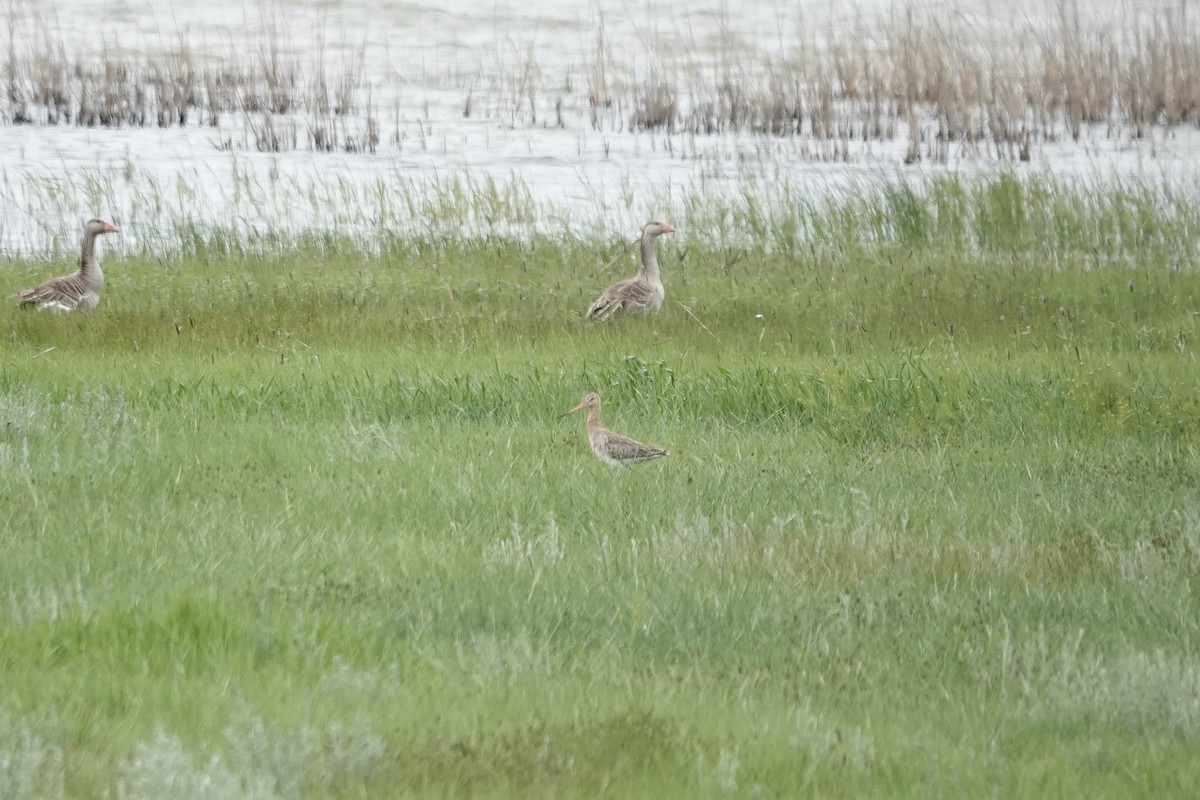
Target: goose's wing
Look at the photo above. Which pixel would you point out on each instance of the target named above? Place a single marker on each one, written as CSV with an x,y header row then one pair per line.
x,y
632,294
627,450
64,292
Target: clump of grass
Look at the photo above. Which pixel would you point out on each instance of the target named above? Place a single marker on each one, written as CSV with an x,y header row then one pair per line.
x,y
33,767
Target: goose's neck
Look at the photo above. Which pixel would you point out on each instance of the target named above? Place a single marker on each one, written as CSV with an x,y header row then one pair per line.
x,y
649,259
89,267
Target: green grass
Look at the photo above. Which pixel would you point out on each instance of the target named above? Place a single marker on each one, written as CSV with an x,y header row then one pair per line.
x,y
307,524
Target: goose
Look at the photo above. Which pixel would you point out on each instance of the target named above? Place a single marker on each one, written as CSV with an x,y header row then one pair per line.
x,y
613,448
79,291
641,294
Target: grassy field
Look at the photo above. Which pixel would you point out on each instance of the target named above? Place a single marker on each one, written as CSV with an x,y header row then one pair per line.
x,y
306,524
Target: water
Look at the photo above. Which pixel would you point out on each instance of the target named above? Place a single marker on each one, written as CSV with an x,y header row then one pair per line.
x,y
476,100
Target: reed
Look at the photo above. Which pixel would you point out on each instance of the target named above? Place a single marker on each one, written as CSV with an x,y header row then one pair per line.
x,y
947,87
264,90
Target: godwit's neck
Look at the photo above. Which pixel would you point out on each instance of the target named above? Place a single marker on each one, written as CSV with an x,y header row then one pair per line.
x,y
593,420
649,259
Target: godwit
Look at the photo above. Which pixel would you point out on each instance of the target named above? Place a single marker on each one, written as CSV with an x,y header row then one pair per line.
x,y
81,289
643,292
613,448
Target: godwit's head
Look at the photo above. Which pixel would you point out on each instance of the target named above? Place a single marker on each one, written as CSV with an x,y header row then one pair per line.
x,y
590,401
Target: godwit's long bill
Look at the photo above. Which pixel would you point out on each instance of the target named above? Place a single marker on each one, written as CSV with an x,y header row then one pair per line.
x,y
613,448
81,289
644,292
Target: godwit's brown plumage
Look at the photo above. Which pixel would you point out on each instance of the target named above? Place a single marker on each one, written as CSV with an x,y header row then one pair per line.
x,y
613,448
644,292
81,289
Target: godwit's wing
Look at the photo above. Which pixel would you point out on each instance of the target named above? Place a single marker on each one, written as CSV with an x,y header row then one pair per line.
x,y
625,450
63,293
631,294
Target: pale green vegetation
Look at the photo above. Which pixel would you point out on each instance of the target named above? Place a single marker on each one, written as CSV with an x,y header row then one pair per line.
x,y
302,522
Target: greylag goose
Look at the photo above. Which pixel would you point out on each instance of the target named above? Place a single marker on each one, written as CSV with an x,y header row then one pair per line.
x,y
613,448
81,289
641,294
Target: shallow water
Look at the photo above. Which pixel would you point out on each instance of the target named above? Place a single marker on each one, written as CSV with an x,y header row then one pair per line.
x,y
422,65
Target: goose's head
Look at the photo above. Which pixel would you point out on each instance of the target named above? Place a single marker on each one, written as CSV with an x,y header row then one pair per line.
x,y
95,227
655,228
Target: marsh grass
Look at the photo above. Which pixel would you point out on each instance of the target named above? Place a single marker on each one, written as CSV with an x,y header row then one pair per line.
x,y
1086,223
294,519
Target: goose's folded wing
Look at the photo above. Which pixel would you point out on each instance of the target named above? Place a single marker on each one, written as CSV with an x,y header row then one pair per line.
x,y
629,295
64,291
